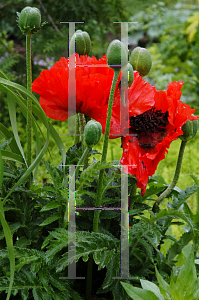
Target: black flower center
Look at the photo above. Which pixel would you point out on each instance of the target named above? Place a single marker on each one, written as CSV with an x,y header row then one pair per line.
x,y
149,128
150,121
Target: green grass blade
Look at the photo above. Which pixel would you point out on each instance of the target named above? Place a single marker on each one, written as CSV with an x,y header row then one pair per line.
x,y
1,169
12,156
32,166
3,75
8,135
38,146
59,143
13,120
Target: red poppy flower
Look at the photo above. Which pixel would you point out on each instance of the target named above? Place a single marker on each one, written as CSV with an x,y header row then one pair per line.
x,y
93,80
155,120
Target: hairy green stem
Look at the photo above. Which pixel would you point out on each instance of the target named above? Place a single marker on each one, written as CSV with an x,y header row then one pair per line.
x,y
81,128
175,178
77,133
29,101
100,181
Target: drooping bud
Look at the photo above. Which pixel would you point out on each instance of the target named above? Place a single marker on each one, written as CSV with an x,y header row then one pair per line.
x,y
117,53
141,60
92,133
29,20
81,42
189,130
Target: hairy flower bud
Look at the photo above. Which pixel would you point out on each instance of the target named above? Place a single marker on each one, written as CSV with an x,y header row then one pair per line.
x,y
92,133
81,42
117,53
29,20
141,60
189,130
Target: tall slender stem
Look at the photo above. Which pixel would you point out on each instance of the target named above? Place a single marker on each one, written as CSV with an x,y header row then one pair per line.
x,y
175,178
29,101
77,134
81,127
100,181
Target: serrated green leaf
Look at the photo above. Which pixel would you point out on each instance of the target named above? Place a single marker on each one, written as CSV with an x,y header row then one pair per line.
x,y
43,277
76,296
24,294
58,284
49,206
150,286
97,257
113,270
50,219
37,294
171,213
106,256
49,188
177,247
86,243
85,258
137,293
25,260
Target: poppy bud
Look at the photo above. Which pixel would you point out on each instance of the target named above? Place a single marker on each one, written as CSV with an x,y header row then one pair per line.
x,y
189,130
82,42
129,69
29,20
141,60
92,133
116,52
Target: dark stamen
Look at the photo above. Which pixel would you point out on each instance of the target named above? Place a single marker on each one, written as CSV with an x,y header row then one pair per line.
x,y
150,121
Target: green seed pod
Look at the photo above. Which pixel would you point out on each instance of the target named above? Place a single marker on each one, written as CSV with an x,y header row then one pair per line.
x,y
81,42
141,60
117,52
29,20
189,129
129,69
92,133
